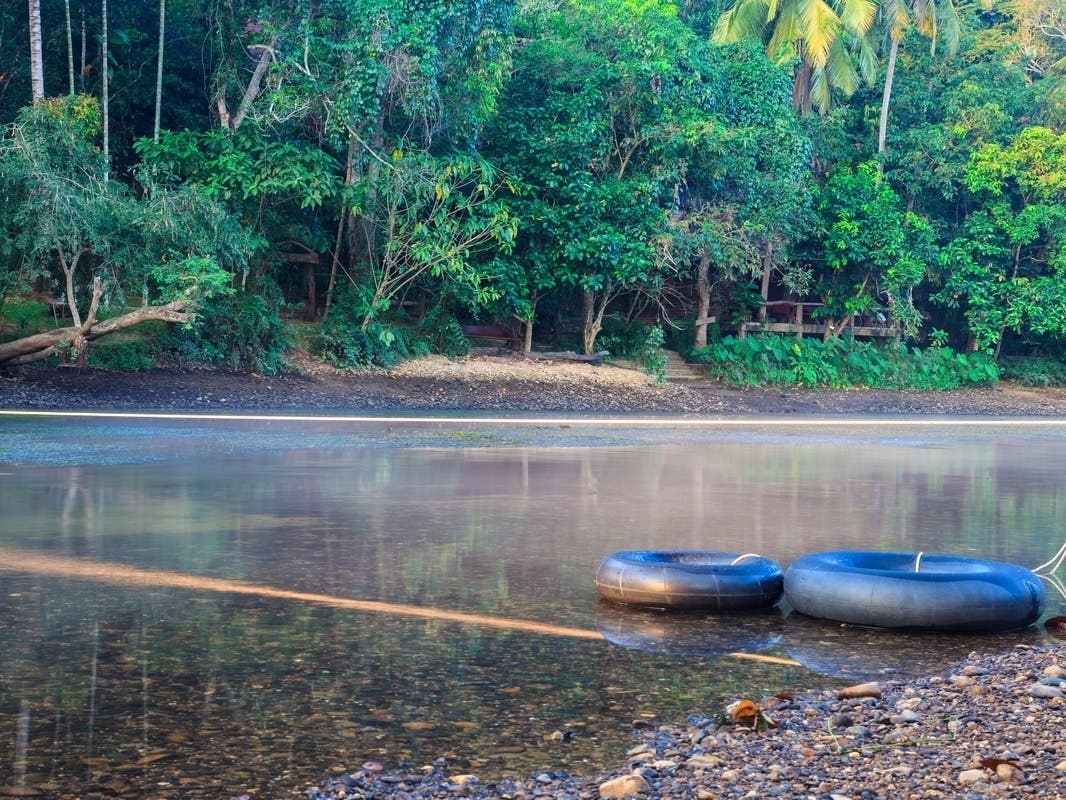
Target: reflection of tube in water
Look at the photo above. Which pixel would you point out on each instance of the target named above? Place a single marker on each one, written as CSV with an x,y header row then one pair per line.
x,y
858,653
688,634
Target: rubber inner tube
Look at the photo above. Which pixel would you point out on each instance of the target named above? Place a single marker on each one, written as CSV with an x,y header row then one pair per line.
x,y
689,579
918,591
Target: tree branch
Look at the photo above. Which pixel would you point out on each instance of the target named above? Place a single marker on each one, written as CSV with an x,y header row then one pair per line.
x,y
41,345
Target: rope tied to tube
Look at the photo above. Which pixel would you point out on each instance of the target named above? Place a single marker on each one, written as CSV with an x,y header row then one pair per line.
x,y
918,561
1053,563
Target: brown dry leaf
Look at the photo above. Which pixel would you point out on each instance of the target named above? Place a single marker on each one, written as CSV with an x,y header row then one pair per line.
x,y
744,712
1056,626
993,763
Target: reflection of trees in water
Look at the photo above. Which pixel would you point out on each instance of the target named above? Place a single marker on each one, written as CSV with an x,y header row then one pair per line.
x,y
510,530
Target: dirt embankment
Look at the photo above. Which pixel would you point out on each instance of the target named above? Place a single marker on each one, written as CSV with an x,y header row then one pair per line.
x,y
487,383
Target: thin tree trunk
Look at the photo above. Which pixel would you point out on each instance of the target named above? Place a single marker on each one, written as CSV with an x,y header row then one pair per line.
x,y
527,334
104,103
588,324
70,46
159,70
767,271
349,176
81,72
36,52
703,307
890,74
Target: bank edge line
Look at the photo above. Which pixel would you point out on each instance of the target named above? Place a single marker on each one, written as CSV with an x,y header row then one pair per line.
x,y
653,422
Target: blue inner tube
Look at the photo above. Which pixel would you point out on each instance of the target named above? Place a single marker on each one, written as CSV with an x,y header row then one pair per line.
x,y
689,580
915,591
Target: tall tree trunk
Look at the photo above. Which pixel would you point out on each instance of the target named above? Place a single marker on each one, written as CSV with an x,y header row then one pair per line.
x,y
81,71
159,69
70,47
527,324
767,271
36,52
890,74
589,330
105,107
801,90
703,307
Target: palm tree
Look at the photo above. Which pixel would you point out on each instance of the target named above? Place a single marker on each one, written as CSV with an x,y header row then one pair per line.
x,y
930,17
36,52
829,38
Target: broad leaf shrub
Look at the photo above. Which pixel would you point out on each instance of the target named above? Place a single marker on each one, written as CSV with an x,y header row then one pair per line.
x,y
842,363
444,333
1033,371
651,354
345,341
242,331
125,356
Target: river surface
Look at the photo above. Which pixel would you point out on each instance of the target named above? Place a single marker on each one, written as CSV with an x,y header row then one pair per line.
x,y
208,608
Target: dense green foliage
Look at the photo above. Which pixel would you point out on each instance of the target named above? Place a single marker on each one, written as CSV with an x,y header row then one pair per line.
x,y
602,175
841,363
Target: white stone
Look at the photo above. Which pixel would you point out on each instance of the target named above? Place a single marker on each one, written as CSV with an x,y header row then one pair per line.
x,y
623,786
971,776
1046,692
703,761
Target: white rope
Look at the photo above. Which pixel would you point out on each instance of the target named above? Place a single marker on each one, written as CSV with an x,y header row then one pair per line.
x,y
918,562
738,559
1056,583
1054,562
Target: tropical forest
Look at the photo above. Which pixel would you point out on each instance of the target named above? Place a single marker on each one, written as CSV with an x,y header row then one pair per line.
x,y
814,192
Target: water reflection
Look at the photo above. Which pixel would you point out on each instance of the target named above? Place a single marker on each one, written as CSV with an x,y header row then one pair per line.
x,y
860,654
285,656
689,634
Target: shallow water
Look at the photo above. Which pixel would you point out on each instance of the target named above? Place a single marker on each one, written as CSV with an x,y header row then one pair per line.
x,y
183,602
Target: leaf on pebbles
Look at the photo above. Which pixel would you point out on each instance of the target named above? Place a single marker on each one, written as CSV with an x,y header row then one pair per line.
x,y
746,713
1006,770
1056,626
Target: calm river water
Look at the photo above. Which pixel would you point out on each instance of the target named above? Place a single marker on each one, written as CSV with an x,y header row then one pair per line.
x,y
197,608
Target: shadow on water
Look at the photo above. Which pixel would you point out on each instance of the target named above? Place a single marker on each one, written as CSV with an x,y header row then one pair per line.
x,y
689,633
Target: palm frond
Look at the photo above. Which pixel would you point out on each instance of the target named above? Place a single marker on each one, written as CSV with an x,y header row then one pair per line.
x,y
821,93
950,26
840,69
857,16
747,19
820,25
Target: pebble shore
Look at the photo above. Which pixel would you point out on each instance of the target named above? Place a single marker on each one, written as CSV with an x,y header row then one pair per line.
x,y
492,383
992,726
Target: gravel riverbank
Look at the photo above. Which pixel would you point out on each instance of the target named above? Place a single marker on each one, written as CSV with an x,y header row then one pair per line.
x,y
993,726
487,383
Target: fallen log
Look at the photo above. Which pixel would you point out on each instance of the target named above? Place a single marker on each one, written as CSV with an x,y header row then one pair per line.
x,y
568,355
41,345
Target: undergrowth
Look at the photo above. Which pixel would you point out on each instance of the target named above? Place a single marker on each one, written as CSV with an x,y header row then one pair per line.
x,y
842,363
